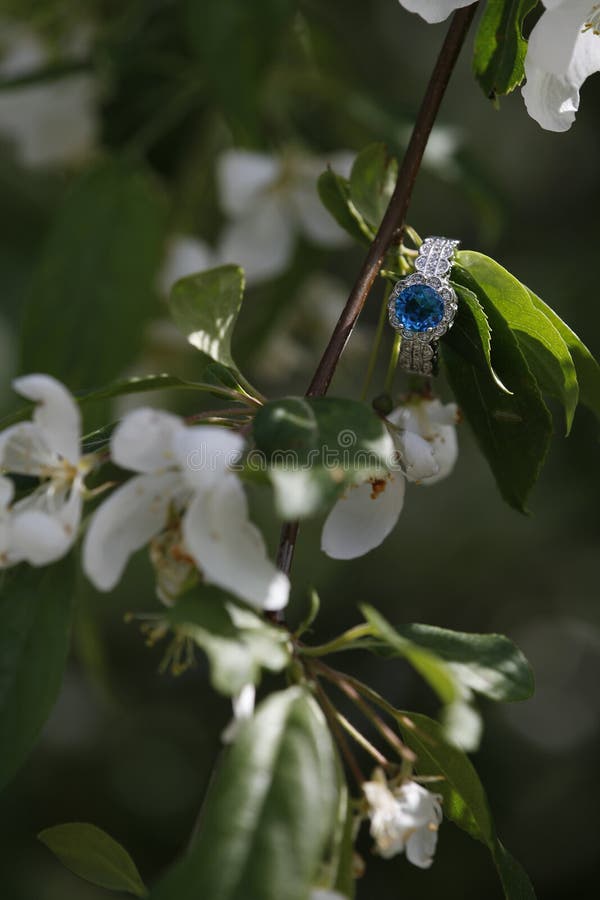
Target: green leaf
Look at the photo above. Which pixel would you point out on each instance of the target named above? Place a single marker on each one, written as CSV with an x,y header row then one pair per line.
x,y
94,286
372,182
315,446
500,47
465,801
35,611
434,670
95,856
514,878
543,347
470,335
489,664
237,642
269,813
514,431
334,192
588,370
205,308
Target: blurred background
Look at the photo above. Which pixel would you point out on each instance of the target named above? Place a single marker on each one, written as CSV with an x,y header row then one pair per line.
x,y
121,125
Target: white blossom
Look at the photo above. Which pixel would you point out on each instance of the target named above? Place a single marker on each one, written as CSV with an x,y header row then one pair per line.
x,y
563,51
43,525
52,122
182,473
434,10
424,438
405,819
269,201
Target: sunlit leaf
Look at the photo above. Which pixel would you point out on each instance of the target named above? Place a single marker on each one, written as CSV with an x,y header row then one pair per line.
x,y
500,47
542,345
513,431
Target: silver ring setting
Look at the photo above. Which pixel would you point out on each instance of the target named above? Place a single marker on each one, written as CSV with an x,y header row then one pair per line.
x,y
423,305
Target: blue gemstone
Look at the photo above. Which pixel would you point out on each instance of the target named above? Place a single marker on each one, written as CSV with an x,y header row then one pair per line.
x,y
419,307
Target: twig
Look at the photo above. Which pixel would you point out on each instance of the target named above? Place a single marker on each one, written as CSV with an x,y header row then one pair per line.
x,y
390,230
347,684
331,716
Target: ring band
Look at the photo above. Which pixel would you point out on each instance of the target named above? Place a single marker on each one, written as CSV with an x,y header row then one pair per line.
x,y
423,305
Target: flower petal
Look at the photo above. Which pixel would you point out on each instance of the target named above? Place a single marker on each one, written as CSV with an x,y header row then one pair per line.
x,y
363,517
124,523
261,242
434,10
205,452
25,451
445,453
45,525
242,177
553,100
553,40
7,490
144,439
56,413
229,549
416,456
420,847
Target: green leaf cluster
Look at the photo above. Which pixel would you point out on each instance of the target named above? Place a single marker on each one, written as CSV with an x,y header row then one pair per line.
x,y
456,665
506,351
359,203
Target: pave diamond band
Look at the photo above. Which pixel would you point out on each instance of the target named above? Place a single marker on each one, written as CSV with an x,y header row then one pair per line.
x,y
423,305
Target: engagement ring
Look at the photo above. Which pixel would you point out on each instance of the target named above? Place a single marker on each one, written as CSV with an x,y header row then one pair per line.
x,y
423,305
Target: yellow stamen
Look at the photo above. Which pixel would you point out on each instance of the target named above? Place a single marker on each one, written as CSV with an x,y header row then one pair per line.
x,y
593,21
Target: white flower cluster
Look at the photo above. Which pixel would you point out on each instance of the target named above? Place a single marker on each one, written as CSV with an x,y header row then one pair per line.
x,y
563,51
404,819
54,121
184,500
269,201
424,438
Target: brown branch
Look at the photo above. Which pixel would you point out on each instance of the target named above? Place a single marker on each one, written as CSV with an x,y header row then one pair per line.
x,y
390,230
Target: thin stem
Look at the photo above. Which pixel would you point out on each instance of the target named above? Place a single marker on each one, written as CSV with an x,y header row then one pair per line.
x,y
390,230
393,364
331,716
377,340
346,684
341,642
360,739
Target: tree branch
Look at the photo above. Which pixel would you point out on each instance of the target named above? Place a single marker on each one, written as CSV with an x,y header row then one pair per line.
x,y
389,231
